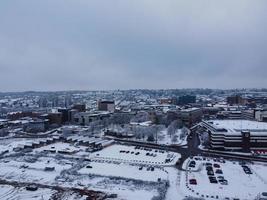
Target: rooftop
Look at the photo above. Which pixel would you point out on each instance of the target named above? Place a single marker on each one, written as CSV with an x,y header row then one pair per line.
x,y
239,125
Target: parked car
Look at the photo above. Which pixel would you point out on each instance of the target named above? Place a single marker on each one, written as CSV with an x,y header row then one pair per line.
x,y
223,182
31,188
219,171
193,182
192,164
209,168
213,179
216,165
246,169
210,173
208,164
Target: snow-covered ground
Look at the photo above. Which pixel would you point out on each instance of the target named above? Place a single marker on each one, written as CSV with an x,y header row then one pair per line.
x,y
129,154
10,144
176,139
8,192
126,189
240,185
125,171
20,170
68,148
112,171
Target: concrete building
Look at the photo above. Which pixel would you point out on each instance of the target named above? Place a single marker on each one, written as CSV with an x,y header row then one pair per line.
x,y
55,118
191,116
244,135
65,114
71,114
168,101
248,114
235,100
186,99
106,106
79,107
261,115
86,118
38,125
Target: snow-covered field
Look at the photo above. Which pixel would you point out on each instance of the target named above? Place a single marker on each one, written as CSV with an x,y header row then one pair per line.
x,y
113,171
125,171
130,172
126,189
129,154
20,170
175,139
8,192
240,185
10,144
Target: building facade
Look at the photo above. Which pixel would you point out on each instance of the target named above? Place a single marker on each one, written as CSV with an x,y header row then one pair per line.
x,y
241,135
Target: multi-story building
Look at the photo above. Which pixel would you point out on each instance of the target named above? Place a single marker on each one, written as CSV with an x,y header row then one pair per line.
x,y
261,115
235,100
242,135
55,118
187,99
106,106
86,118
79,107
248,114
191,116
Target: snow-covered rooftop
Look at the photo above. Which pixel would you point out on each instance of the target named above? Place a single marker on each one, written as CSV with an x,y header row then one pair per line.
x,y
239,125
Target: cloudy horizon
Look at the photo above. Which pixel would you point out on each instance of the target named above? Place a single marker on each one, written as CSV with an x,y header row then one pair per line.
x,y
104,45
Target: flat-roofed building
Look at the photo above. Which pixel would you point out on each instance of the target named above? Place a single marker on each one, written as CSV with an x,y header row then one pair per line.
x,y
106,106
86,118
243,135
191,116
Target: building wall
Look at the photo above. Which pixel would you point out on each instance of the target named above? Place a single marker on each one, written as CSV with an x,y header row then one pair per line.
x,y
191,116
261,115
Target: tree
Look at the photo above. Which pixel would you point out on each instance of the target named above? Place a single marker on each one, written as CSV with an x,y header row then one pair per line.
x,y
150,138
172,128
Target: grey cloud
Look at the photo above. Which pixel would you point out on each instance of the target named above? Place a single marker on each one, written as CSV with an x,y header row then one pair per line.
x,y
65,44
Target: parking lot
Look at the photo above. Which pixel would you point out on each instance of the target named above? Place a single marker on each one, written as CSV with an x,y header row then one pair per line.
x,y
220,179
136,155
143,173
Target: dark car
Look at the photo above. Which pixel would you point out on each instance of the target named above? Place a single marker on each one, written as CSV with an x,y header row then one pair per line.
x,y
192,164
208,164
219,171
213,179
210,173
216,165
209,168
193,182
223,182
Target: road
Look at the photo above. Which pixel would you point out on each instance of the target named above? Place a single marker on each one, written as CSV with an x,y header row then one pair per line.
x,y
191,149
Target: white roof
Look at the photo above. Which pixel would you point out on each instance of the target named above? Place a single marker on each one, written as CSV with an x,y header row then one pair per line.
x,y
233,126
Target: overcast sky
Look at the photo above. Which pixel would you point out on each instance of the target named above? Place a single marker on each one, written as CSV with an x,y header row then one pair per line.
x,y
122,44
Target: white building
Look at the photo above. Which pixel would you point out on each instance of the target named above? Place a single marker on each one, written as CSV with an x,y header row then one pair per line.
x,y
236,134
261,115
